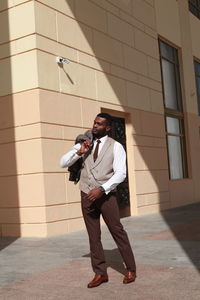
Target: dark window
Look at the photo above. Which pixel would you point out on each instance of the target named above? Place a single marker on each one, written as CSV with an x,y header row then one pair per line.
x,y
118,132
174,118
197,75
194,7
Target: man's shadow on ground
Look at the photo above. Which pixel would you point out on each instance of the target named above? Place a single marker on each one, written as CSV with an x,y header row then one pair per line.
x,y
113,260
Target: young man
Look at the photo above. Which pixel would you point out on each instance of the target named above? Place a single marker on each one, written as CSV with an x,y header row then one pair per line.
x,y
104,167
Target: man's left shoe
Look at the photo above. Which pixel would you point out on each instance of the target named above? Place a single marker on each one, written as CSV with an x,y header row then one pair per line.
x,y
129,277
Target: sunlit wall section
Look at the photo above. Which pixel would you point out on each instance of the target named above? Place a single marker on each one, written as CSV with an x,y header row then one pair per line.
x,y
22,209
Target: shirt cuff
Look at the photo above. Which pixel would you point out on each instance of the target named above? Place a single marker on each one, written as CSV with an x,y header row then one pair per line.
x,y
107,190
77,156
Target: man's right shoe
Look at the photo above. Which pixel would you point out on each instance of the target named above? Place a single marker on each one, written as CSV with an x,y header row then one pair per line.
x,y
97,280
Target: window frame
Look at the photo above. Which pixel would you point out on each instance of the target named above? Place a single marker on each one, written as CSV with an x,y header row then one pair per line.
x,y
196,77
181,135
174,113
177,78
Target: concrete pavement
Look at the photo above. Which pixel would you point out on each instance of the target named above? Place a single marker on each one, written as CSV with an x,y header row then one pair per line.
x,y
166,247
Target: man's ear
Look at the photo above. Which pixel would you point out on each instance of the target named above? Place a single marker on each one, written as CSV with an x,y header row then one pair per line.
x,y
108,128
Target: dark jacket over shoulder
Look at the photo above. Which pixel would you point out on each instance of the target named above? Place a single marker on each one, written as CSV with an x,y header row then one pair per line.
x,y
75,169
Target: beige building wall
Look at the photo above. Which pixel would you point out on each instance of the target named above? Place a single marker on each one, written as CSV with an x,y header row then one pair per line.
x,y
182,32
113,49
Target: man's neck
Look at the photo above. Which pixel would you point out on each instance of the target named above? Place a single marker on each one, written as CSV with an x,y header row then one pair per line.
x,y
100,137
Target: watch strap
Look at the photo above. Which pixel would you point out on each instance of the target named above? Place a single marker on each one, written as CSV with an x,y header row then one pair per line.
x,y
101,189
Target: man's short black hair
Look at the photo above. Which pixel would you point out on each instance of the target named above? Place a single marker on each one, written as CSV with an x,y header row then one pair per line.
x,y
107,117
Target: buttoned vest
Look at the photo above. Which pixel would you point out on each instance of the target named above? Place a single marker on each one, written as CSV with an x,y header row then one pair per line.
x,y
97,173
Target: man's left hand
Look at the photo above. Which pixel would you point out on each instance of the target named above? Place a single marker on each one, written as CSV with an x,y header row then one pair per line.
x,y
94,194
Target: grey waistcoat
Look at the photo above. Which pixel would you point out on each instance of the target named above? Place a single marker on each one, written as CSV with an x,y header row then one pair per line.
x,y
97,173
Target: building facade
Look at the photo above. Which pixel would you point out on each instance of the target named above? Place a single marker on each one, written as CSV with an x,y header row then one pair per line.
x,y
138,60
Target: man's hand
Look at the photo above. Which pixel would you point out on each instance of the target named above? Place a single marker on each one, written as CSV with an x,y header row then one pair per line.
x,y
85,147
94,194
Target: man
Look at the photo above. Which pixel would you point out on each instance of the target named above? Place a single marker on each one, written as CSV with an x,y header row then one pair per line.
x,y
104,167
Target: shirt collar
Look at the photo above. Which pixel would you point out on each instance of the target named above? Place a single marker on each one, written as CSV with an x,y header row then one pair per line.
x,y
103,139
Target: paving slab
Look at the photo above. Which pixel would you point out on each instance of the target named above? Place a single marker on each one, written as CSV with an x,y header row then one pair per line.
x,y
69,282
166,246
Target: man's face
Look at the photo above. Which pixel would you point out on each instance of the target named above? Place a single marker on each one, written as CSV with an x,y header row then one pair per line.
x,y
100,127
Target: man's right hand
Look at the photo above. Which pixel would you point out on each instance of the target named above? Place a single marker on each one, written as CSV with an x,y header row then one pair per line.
x,y
85,147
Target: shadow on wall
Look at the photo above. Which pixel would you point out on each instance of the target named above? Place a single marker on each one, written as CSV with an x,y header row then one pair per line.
x,y
9,202
99,53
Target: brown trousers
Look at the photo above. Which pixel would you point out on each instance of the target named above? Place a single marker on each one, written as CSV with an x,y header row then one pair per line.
x,y
108,207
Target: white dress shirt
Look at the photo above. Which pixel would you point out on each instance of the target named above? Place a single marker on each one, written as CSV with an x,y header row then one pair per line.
x,y
119,162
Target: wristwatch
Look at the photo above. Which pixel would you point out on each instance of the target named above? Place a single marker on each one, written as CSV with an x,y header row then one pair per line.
x,y
101,189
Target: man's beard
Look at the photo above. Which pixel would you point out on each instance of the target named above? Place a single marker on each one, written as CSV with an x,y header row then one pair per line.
x,y
98,135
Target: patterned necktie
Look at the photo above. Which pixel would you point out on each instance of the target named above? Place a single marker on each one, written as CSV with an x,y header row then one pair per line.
x,y
95,155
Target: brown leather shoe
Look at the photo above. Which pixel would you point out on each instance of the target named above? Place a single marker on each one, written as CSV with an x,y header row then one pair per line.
x,y
129,277
97,280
